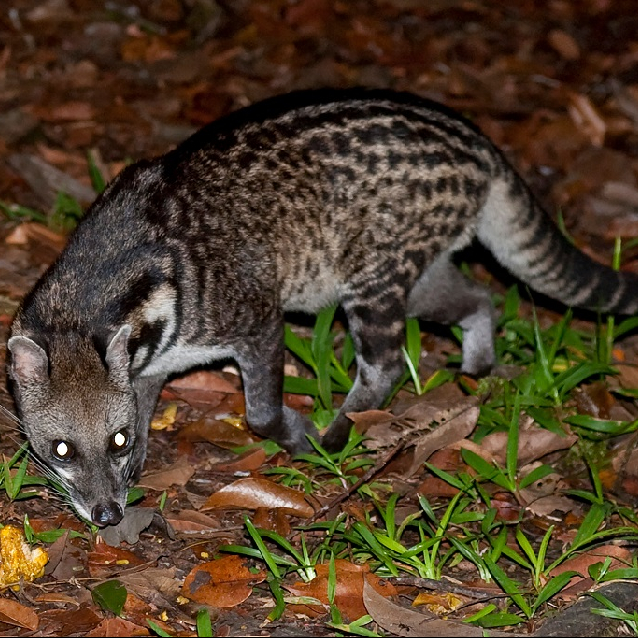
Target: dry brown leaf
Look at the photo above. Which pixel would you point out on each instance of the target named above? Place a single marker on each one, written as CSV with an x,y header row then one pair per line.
x,y
26,231
192,522
401,621
148,582
627,375
104,554
221,433
251,493
564,43
117,627
67,112
533,443
621,557
368,418
274,520
587,118
246,462
205,380
65,622
179,473
226,582
349,588
12,612
450,432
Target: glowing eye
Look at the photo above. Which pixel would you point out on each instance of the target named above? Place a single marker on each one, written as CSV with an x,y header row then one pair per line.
x,y
119,441
63,450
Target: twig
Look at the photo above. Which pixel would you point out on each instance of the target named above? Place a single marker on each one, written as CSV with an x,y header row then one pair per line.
x,y
364,479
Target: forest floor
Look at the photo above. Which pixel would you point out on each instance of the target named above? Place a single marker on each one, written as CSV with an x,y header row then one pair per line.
x,y
87,87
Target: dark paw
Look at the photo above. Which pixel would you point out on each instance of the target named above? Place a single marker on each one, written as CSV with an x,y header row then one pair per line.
x,y
297,427
335,439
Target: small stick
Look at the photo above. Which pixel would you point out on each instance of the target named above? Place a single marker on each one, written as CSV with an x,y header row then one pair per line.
x,y
364,479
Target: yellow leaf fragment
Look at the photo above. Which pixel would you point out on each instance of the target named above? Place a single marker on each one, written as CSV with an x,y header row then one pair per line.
x,y
439,604
17,559
167,420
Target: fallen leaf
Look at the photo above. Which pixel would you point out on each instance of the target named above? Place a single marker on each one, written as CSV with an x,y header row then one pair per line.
x,y
221,433
534,442
110,596
226,582
272,519
117,627
57,597
67,560
349,588
148,582
179,473
14,613
68,112
564,43
192,522
587,118
400,621
33,231
205,380
65,622
104,554
251,493
246,462
134,521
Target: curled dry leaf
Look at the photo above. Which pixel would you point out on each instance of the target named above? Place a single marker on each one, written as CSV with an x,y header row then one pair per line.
x,y
251,493
349,590
226,582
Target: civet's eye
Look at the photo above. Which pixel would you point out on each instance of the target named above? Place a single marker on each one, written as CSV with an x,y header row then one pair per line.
x,y
63,450
119,441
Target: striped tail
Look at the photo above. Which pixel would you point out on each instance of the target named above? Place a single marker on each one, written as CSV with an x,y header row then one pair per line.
x,y
523,238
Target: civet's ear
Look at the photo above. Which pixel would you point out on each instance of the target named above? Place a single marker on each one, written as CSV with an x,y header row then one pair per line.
x,y
117,357
29,362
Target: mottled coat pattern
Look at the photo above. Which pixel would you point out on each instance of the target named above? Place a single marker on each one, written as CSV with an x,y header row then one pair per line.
x,y
353,197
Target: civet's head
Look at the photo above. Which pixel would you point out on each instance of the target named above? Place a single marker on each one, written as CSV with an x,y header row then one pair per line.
x,y
79,412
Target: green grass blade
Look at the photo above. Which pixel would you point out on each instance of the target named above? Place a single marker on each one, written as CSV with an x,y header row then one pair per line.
x,y
509,586
203,623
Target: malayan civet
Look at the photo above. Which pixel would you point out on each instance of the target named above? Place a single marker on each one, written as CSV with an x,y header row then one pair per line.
x,y
355,197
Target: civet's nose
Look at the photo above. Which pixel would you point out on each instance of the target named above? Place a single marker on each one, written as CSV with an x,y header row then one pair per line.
x,y
107,514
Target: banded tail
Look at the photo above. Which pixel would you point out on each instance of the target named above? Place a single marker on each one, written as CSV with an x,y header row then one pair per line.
x,y
523,238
